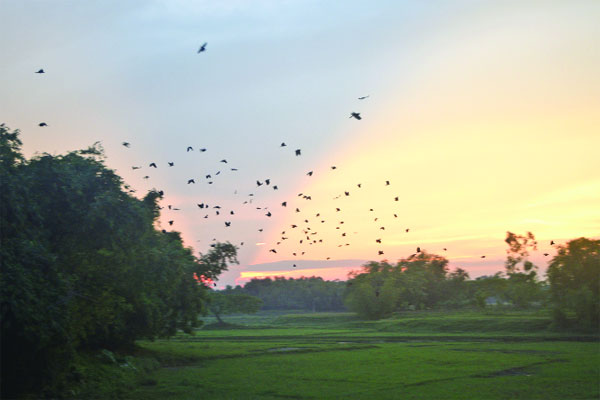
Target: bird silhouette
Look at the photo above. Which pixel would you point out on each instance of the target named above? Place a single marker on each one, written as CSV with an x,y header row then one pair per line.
x,y
418,249
546,254
171,164
153,165
309,173
227,224
282,144
191,181
41,71
355,115
380,252
298,152
363,97
387,183
190,148
482,256
258,183
42,124
552,243
203,150
135,167
378,240
171,222
224,161
202,48
407,229
284,204
126,144
333,167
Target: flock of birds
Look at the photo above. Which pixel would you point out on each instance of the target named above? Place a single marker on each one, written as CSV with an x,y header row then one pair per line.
x,y
302,232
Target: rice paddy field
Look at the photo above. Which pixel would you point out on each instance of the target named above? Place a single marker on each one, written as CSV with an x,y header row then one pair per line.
x,y
429,355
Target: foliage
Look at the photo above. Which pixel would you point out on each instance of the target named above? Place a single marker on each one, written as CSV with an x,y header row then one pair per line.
x,y
523,286
280,293
420,281
84,267
574,276
221,304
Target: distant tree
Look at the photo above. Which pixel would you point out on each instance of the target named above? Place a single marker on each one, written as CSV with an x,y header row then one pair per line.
x,y
372,292
222,304
574,276
523,286
303,293
486,287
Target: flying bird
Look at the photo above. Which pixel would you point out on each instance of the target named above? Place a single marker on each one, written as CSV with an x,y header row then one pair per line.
x,y
126,144
191,181
190,148
135,167
355,115
482,256
552,243
202,48
418,249
41,71
227,223
309,173
153,165
203,150
283,144
42,124
298,152
284,204
171,222
171,164
363,97
224,161
380,252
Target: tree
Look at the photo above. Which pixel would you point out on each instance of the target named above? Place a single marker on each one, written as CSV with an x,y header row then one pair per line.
x,y
83,266
222,304
372,293
574,276
523,286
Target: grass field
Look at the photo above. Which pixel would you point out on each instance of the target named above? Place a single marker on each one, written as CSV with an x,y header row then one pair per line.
x,y
429,355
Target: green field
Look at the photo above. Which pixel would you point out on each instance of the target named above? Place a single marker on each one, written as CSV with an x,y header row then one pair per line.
x,y
431,355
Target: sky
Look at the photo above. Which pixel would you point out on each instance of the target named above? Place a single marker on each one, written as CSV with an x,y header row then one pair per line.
x,y
483,117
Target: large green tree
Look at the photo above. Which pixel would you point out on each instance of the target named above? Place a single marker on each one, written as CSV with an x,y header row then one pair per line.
x,y
574,276
83,265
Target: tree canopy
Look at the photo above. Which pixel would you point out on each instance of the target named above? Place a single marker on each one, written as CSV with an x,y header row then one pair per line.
x,y
83,265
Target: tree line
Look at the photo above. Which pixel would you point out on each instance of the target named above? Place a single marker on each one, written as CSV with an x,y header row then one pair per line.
x,y
305,293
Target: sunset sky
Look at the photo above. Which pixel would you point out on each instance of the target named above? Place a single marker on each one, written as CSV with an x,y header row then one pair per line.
x,y
483,116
